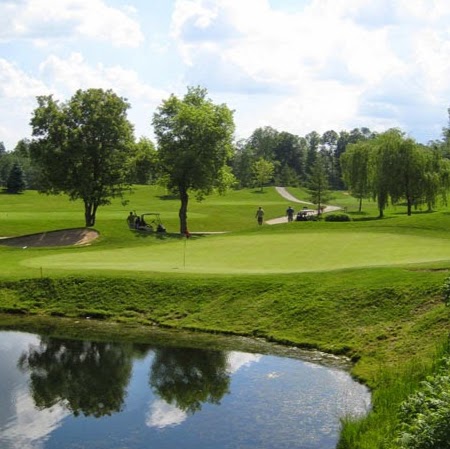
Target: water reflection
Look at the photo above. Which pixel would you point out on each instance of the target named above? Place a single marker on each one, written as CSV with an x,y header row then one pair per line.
x,y
187,378
64,394
22,425
72,374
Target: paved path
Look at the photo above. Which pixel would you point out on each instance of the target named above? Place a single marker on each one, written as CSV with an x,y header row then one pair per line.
x,y
285,194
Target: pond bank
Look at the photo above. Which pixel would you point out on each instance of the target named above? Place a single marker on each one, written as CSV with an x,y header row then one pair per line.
x,y
378,327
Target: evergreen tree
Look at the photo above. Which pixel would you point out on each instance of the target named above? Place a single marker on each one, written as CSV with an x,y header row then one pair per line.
x,y
318,187
16,179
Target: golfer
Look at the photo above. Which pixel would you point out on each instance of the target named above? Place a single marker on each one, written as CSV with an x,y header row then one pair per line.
x,y
260,215
290,213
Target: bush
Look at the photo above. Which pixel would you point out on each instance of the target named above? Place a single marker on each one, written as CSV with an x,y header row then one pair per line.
x,y
425,415
446,292
337,217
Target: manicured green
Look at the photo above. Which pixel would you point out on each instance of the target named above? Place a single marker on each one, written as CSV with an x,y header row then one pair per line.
x,y
371,289
256,253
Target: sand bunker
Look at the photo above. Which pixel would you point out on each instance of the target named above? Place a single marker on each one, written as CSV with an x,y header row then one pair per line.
x,y
63,237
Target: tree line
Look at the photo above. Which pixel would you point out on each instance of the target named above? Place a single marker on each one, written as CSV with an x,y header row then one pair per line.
x,y
85,147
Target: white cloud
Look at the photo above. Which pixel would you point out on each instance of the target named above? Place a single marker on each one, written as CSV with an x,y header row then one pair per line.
x,y
296,66
329,57
18,91
65,76
45,20
15,83
68,75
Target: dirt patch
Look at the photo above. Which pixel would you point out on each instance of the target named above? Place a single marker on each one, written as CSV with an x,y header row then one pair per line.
x,y
63,237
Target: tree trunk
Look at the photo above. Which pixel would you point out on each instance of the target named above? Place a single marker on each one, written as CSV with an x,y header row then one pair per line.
x,y
409,206
182,214
90,210
360,204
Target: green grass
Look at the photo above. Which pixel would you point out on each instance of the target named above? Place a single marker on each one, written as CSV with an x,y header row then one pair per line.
x,y
371,289
291,252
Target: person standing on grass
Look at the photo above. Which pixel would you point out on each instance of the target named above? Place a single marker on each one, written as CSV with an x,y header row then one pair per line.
x,y
290,214
260,215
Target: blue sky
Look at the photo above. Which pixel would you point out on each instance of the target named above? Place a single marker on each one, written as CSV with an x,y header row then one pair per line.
x,y
295,65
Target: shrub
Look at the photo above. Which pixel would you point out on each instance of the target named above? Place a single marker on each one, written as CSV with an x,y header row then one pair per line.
x,y
425,415
337,217
446,292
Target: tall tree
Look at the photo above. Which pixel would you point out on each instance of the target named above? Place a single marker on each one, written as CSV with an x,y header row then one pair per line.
x,y
313,141
318,187
143,162
393,167
262,172
241,163
328,147
410,169
82,147
290,156
16,179
194,138
355,170
21,154
263,142
436,179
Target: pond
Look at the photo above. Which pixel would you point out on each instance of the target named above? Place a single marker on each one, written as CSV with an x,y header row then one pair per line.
x,y
72,394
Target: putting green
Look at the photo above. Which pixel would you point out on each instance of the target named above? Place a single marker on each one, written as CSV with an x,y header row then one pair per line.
x,y
264,253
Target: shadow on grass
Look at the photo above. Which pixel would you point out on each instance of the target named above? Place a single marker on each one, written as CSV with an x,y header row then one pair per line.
x,y
169,197
416,212
371,218
164,235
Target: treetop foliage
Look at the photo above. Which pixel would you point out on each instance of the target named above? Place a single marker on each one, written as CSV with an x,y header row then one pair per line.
x,y
82,146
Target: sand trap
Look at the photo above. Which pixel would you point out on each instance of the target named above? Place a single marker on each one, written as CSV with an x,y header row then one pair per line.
x,y
63,237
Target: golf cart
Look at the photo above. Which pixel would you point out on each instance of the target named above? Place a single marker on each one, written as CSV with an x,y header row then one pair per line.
x,y
305,214
149,222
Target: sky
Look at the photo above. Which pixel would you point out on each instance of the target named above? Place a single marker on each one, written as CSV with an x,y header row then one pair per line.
x,y
295,65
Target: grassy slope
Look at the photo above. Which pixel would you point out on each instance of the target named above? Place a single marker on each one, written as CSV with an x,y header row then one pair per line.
x,y
383,316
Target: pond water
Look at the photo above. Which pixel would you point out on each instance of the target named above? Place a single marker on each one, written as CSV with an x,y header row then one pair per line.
x,y
67,394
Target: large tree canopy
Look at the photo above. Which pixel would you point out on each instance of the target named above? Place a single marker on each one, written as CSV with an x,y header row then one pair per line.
x,y
194,138
82,147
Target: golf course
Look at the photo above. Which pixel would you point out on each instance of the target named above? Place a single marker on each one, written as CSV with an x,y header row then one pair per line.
x,y
369,289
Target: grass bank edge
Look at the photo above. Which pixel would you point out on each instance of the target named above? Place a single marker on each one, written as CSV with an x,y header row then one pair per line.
x,y
375,316
389,321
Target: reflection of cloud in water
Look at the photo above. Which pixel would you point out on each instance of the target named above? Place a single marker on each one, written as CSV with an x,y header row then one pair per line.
x,y
31,427
23,425
237,360
162,414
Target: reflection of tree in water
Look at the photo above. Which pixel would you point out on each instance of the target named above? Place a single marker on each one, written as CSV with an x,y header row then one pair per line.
x,y
187,378
86,377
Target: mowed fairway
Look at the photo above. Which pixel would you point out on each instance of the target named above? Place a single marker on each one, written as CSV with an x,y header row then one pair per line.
x,y
257,253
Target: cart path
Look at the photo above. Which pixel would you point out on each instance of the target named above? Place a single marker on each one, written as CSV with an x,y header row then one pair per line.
x,y
285,194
